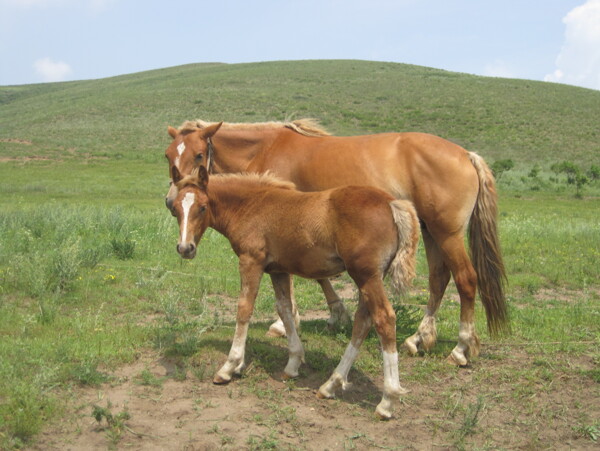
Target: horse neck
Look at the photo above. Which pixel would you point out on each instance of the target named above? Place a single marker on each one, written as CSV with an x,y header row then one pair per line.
x,y
228,201
236,148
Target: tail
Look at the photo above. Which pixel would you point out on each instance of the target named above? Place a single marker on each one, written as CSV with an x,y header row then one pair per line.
x,y
402,267
485,250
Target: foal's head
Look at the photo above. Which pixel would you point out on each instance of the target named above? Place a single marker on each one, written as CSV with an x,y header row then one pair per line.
x,y
190,207
188,151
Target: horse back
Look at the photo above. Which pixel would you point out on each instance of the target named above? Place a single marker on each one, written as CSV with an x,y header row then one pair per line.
x,y
435,174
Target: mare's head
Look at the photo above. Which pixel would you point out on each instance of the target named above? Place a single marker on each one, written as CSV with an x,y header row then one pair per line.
x,y
190,207
188,151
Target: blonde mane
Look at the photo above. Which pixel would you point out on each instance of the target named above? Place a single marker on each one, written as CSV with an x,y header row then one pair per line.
x,y
266,179
306,126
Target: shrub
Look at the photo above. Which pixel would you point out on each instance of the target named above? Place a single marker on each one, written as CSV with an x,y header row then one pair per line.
x,y
501,166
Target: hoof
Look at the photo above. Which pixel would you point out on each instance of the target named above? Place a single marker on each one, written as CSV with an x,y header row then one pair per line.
x,y
383,416
276,330
322,395
456,360
286,377
218,380
410,348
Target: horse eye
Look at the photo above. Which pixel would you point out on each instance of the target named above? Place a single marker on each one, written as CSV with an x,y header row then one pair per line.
x,y
199,157
202,209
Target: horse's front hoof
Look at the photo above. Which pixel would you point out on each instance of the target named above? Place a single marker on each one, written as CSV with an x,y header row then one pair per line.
x,y
383,416
455,359
219,380
321,395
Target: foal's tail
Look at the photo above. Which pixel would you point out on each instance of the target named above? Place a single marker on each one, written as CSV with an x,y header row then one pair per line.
x,y
485,250
402,267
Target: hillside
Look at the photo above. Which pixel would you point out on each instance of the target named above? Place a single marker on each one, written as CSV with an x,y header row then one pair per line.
x,y
126,116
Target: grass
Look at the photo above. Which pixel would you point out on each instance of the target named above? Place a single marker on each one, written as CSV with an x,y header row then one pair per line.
x,y
89,275
126,117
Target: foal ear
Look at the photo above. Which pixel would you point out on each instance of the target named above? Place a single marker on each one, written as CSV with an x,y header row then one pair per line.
x,y
175,175
202,177
209,131
172,131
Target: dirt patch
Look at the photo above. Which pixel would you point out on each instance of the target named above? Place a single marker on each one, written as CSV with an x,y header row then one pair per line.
x,y
509,398
16,141
28,158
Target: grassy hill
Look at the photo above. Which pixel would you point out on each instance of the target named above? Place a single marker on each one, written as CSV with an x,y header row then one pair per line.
x,y
126,116
90,279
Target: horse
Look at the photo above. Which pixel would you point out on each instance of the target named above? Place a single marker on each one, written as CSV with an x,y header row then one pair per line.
x,y
452,189
275,229
178,157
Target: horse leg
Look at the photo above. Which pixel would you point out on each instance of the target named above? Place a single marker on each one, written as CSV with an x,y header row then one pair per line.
x,y
439,276
465,279
250,273
384,320
281,285
277,329
338,314
360,329
375,308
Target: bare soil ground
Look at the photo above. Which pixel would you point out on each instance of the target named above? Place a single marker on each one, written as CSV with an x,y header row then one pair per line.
x,y
507,399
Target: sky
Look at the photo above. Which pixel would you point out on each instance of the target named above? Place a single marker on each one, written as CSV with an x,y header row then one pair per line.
x,y
62,40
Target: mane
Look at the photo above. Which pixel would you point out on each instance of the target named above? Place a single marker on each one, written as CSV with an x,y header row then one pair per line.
x,y
306,126
266,179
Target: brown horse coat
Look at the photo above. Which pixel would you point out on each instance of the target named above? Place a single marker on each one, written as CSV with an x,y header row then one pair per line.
x,y
276,229
452,189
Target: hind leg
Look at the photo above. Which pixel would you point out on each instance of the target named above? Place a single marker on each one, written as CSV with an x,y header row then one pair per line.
x,y
277,329
465,279
339,378
439,276
374,308
338,314
281,284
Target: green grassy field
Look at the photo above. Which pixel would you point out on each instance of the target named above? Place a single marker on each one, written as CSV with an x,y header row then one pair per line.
x,y
89,276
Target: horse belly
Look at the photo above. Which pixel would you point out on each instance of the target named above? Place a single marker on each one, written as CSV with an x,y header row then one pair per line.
x,y
311,263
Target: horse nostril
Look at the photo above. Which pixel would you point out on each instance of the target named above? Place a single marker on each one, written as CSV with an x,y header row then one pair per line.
x,y
192,247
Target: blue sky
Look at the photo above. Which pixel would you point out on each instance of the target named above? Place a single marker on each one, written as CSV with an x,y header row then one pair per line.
x,y
56,40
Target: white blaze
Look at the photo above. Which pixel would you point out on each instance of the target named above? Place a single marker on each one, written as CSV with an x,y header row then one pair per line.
x,y
187,203
180,150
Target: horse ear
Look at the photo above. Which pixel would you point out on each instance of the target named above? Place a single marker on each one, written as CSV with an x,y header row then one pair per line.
x,y
209,131
175,174
202,177
172,131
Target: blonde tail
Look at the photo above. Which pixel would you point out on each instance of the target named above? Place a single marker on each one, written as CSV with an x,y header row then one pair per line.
x,y
402,267
485,250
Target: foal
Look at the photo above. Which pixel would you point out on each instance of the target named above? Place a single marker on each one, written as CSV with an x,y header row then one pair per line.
x,y
276,229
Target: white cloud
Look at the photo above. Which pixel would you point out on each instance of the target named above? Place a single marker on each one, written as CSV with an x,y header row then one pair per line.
x,y
52,70
578,62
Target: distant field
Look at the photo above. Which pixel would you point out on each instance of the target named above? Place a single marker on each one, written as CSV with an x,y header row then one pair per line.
x,y
94,300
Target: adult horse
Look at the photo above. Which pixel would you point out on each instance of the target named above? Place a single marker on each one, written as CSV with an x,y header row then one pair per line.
x,y
275,229
452,189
